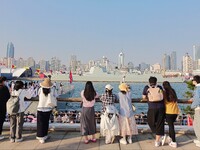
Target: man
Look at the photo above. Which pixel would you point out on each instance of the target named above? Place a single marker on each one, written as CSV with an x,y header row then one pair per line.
x,y
196,106
4,96
153,93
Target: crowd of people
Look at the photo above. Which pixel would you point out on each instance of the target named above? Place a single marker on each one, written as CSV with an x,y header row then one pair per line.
x,y
162,109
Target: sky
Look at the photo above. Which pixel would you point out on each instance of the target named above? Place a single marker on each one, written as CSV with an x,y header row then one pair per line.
x,y
143,29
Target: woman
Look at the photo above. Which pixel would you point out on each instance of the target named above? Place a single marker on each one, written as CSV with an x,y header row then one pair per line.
x,y
127,121
17,120
171,110
108,98
47,101
109,125
88,124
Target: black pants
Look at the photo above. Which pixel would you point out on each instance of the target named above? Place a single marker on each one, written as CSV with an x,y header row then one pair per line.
x,y
155,119
43,123
171,118
2,119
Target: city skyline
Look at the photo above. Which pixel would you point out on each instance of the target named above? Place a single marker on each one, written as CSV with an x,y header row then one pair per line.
x,y
92,29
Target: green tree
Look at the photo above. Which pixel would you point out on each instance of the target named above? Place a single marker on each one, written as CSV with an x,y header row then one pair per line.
x,y
189,94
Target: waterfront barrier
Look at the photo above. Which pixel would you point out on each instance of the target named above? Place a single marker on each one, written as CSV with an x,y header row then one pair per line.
x,y
78,99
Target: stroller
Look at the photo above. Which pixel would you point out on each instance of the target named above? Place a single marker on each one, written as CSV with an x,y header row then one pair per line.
x,y
109,125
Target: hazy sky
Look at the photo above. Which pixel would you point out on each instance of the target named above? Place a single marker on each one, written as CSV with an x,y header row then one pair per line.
x,y
90,29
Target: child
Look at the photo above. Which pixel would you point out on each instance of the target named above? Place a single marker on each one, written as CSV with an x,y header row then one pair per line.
x,y
88,124
126,116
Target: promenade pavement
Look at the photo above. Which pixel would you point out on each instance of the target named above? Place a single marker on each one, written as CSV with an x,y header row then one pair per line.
x,y
67,137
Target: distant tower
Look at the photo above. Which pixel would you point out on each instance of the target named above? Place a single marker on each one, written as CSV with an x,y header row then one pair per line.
x,y
173,61
10,50
187,64
121,60
166,62
196,56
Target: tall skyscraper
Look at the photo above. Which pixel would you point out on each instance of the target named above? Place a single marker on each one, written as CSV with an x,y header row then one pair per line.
x,y
55,64
173,61
187,64
73,63
121,60
10,50
196,56
196,52
166,62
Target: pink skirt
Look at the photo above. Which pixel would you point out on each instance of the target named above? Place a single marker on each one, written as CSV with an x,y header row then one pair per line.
x,y
127,126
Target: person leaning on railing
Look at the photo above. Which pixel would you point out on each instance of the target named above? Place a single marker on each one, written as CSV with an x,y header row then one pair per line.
x,y
171,111
196,106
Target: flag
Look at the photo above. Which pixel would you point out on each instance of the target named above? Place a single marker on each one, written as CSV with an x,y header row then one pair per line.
x,y
13,67
70,77
37,71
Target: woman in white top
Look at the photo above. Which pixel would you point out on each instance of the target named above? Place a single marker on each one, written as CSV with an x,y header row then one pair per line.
x,y
47,101
17,120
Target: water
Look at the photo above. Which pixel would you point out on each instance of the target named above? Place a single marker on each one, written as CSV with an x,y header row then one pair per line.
x,y
137,89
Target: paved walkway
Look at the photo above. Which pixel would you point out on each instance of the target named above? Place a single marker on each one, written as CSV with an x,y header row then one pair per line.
x,y
61,140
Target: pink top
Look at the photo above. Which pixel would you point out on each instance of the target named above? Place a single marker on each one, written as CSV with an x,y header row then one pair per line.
x,y
87,103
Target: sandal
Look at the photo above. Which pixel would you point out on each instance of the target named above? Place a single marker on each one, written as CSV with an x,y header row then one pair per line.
x,y
86,141
94,140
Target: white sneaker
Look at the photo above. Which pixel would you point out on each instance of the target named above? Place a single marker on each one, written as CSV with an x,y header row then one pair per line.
x,y
169,139
1,137
173,144
129,139
157,144
12,140
123,141
196,141
198,144
42,141
163,139
19,140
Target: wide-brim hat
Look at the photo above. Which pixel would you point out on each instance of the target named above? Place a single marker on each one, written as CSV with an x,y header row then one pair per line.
x,y
109,87
46,83
123,87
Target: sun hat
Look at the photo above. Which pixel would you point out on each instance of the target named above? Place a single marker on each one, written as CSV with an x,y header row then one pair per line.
x,y
109,87
46,83
123,87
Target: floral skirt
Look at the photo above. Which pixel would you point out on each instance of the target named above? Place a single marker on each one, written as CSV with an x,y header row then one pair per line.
x,y
127,126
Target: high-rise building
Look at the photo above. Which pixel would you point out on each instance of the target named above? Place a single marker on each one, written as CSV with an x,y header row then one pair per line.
x,y
196,52
44,65
10,50
173,62
166,62
20,63
196,56
73,63
30,63
187,64
121,60
55,64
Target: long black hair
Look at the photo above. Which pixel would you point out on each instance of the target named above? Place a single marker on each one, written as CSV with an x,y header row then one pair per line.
x,y
18,85
89,91
170,92
46,91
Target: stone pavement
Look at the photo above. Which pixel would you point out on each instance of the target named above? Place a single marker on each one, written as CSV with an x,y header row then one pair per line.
x,y
68,140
